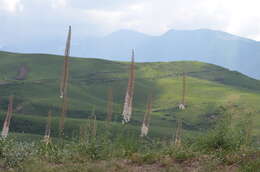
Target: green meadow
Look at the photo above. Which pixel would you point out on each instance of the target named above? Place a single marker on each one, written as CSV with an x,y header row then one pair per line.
x,y
220,128
209,88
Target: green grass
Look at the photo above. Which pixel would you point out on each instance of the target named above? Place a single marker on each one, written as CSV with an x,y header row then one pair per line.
x,y
214,122
208,88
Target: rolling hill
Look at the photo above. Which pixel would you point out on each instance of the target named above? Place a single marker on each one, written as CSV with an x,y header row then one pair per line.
x,y
34,81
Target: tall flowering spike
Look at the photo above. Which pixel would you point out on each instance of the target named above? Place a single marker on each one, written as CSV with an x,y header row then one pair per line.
x,y
48,128
110,105
178,133
182,105
8,117
248,128
64,83
94,126
128,105
94,131
65,73
63,115
147,117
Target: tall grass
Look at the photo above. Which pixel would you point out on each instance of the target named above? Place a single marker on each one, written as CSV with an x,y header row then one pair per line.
x,y
182,104
220,149
8,117
128,104
110,105
178,133
147,117
47,135
64,84
248,128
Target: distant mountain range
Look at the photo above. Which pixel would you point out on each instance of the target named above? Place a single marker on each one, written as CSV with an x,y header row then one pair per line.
x,y
224,49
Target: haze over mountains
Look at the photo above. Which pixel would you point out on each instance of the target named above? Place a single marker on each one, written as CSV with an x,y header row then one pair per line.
x,y
227,50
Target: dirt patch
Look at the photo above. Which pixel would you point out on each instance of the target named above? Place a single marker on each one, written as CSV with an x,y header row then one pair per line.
x,y
4,82
22,72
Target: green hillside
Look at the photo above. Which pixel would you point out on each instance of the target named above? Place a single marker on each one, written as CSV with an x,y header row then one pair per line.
x,y
209,87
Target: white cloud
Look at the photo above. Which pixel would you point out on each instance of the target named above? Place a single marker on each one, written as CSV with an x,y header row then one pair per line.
x,y
156,17
105,17
112,20
11,6
244,17
149,16
58,3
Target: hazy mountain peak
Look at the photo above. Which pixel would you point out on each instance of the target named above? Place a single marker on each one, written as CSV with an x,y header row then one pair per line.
x,y
205,45
206,33
126,33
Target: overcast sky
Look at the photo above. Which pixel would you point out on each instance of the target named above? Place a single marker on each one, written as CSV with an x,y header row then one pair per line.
x,y
48,18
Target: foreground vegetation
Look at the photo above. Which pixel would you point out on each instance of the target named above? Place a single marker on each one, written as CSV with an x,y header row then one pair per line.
x,y
224,148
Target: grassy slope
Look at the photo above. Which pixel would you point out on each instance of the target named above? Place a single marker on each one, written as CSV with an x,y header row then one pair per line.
x,y
208,87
